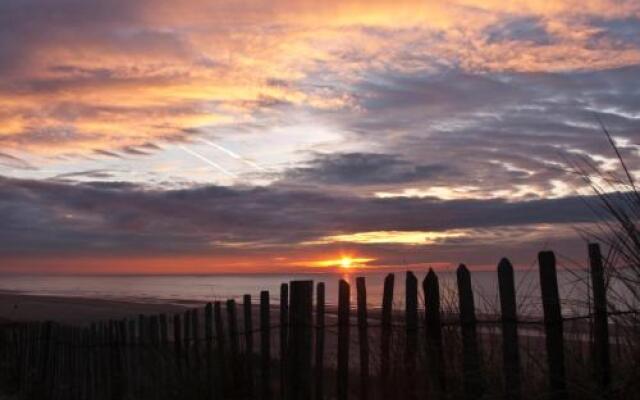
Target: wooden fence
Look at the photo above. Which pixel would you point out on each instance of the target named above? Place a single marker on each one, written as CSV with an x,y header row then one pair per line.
x,y
305,352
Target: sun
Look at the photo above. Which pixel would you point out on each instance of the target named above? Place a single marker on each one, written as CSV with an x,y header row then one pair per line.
x,y
346,262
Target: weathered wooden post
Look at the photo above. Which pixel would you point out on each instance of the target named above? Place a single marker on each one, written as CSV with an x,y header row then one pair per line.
x,y
602,361
472,375
208,337
265,346
284,337
195,334
385,335
222,372
154,331
363,337
133,352
300,340
248,338
552,324
164,332
510,346
433,332
85,365
319,362
177,341
187,338
411,344
117,388
46,347
142,342
124,354
232,321
344,305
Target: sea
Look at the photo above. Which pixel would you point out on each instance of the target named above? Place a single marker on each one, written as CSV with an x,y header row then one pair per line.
x,y
573,288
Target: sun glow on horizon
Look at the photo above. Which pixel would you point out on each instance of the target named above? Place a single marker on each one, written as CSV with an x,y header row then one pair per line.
x,y
344,262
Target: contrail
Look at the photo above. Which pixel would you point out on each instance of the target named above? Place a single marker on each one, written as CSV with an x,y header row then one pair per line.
x,y
234,155
213,164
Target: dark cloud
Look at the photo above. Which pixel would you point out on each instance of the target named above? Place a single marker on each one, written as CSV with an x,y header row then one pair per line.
x,y
90,174
41,217
435,95
8,160
623,30
27,25
364,169
107,153
501,131
47,135
135,151
526,29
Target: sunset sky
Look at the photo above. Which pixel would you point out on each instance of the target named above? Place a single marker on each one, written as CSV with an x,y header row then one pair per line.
x,y
240,136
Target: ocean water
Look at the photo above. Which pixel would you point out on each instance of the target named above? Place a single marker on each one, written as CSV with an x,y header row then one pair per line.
x,y
573,287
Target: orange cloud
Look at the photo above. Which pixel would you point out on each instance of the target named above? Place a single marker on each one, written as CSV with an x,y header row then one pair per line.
x,y
169,67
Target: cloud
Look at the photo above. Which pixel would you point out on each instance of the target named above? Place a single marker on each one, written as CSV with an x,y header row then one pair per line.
x,y
355,169
527,29
90,174
507,134
41,218
14,162
481,103
101,74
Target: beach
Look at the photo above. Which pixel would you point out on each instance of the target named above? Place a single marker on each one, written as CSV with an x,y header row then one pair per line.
x,y
75,310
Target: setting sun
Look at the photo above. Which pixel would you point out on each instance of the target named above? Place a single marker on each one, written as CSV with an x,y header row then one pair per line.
x,y
346,262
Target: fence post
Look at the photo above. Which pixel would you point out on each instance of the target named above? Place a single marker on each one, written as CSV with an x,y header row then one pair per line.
x,y
284,321
208,336
510,349
46,346
300,340
602,361
343,340
154,331
552,324
124,353
85,365
385,335
143,356
473,382
319,364
195,334
154,363
117,390
177,341
248,339
232,320
265,346
411,345
222,372
363,337
186,322
164,334
433,332
134,351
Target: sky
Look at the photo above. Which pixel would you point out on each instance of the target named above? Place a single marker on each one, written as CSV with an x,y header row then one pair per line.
x,y
269,136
